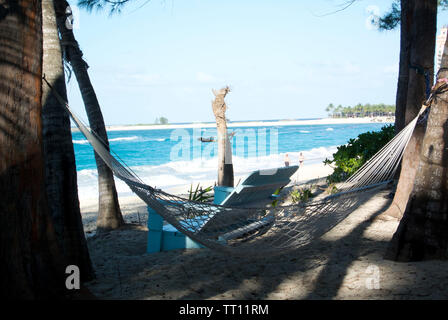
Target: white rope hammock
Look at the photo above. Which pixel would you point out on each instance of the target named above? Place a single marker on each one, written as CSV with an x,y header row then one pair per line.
x,y
259,230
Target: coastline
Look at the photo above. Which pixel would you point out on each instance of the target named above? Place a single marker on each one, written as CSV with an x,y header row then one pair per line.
x,y
261,123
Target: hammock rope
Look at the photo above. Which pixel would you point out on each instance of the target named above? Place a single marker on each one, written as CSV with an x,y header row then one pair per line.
x,y
258,230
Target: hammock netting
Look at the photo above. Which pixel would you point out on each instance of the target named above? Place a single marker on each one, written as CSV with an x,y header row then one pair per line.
x,y
263,230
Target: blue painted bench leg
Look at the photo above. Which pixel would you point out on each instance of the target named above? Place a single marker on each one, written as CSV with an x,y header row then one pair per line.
x,y
177,240
164,240
155,229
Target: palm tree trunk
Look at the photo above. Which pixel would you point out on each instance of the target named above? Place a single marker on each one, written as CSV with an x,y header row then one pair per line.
x,y
31,264
60,173
416,73
423,231
225,165
422,42
407,7
109,214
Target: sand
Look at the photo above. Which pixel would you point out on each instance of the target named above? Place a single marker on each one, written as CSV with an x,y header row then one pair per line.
x,y
346,263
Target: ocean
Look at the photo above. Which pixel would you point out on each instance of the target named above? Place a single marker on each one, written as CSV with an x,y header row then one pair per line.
x,y
166,158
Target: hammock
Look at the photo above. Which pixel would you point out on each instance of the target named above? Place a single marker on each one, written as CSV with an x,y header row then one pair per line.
x,y
259,230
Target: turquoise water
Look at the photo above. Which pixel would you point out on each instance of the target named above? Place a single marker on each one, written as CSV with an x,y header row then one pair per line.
x,y
157,147
167,158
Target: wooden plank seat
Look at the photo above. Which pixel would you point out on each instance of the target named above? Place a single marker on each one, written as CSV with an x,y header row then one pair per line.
x,y
258,185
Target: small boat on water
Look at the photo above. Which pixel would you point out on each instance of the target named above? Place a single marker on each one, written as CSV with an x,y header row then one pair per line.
x,y
210,139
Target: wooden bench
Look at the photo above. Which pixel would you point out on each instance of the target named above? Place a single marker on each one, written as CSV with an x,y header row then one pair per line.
x,y
257,186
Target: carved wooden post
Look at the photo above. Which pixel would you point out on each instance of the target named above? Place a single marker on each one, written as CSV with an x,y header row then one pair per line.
x,y
225,165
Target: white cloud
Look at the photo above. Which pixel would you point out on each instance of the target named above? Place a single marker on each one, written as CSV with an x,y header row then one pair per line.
x,y
330,66
140,79
147,78
391,69
205,78
290,88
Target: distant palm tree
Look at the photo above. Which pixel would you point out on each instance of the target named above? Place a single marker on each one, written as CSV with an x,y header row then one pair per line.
x,y
163,120
329,109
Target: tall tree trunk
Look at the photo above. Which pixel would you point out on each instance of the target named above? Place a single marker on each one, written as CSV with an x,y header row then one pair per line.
x,y
31,264
407,7
422,42
109,213
225,165
60,168
418,37
423,231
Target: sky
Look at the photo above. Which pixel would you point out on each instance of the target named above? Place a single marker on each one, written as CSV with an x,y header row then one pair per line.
x,y
283,59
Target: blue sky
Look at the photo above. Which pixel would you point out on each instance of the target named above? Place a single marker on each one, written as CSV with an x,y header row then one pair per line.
x,y
281,59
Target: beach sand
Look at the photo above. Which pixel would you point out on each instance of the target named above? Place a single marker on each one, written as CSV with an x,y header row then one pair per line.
x,y
323,121
346,263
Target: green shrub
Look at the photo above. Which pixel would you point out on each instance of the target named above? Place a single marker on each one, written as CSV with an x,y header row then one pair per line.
x,y
302,194
351,156
331,189
200,194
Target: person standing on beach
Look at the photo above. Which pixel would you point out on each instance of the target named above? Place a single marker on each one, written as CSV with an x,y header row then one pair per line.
x,y
301,159
286,160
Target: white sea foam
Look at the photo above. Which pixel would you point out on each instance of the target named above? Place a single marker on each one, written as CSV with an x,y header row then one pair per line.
x,y
85,141
304,131
82,141
124,138
329,129
178,173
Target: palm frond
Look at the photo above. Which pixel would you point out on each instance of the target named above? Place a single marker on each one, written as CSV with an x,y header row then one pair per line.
x,y
114,6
